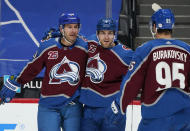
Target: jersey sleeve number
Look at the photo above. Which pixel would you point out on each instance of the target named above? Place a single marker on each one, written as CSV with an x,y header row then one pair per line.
x,y
170,75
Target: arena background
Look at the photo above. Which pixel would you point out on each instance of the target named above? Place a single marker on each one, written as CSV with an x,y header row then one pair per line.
x,y
23,23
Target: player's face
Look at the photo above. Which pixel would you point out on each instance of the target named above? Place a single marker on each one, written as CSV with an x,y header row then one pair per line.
x,y
106,38
71,31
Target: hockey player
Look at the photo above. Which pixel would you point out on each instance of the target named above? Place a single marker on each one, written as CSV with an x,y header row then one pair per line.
x,y
64,62
107,62
161,68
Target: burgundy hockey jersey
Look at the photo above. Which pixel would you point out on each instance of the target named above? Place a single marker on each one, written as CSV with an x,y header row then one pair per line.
x,y
64,70
104,72
161,69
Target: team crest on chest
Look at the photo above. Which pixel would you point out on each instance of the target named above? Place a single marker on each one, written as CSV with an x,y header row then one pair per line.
x,y
96,68
65,71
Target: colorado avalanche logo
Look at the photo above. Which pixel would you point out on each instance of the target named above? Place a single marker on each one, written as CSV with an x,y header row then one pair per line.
x,y
59,73
96,68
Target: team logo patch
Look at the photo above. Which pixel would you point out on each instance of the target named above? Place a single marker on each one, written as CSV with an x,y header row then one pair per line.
x,y
92,48
65,71
96,68
53,54
168,42
125,48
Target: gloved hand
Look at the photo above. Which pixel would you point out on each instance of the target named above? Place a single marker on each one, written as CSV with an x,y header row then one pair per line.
x,y
113,116
8,90
51,33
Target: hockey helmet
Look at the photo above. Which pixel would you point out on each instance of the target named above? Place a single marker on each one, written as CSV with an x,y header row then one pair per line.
x,y
69,18
106,24
163,18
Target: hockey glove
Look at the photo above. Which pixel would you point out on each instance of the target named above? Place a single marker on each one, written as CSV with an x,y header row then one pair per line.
x,y
8,90
51,33
113,116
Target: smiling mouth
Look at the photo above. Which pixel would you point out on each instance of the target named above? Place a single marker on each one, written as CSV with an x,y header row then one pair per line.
x,y
73,35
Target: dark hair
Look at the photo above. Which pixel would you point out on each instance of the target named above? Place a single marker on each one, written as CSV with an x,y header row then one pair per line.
x,y
164,31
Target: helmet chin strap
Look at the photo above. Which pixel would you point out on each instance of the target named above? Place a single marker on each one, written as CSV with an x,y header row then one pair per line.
x,y
153,33
98,37
63,36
